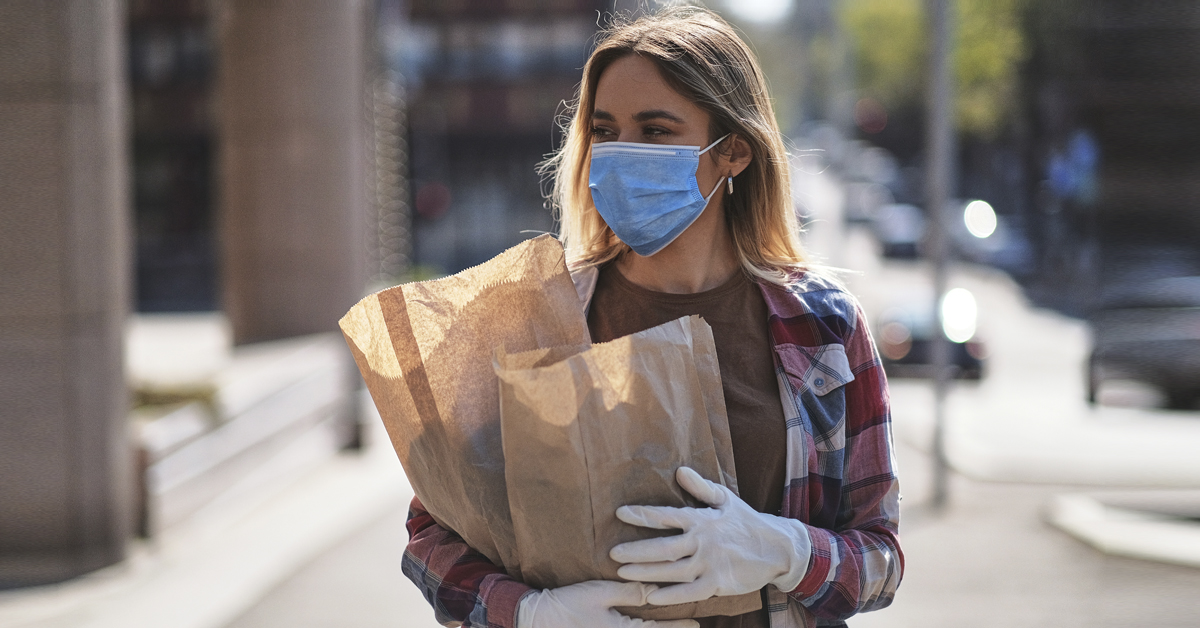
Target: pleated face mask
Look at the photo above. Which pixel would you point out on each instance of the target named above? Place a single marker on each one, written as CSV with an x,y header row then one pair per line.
x,y
648,193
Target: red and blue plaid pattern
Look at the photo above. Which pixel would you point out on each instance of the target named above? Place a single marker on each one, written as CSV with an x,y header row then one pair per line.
x,y
460,584
840,469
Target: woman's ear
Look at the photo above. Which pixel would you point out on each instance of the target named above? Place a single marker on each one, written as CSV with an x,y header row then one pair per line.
x,y
738,156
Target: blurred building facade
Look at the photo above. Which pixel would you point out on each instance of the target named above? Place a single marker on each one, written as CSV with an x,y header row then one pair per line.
x,y
266,160
1090,153
1114,146
243,181
485,81
173,138
462,99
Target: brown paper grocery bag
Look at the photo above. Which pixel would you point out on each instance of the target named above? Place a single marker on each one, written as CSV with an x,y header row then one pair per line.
x,y
425,351
587,430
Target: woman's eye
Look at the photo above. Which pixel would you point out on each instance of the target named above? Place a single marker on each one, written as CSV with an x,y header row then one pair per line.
x,y
655,132
600,132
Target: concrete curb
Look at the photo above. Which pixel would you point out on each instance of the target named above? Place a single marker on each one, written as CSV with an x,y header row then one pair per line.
x,y
1124,532
1100,447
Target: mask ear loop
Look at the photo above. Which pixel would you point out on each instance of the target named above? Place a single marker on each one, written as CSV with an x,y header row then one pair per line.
x,y
718,185
719,140
713,193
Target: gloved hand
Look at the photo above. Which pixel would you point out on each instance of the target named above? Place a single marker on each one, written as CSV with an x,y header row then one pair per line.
x,y
728,549
590,604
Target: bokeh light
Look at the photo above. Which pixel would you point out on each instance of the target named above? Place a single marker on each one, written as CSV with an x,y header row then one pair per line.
x,y
959,312
870,115
760,11
980,219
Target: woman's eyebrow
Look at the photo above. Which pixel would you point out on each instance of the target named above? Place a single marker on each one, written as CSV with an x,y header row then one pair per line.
x,y
657,113
651,114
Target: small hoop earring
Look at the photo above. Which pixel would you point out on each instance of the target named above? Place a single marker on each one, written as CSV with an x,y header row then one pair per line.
x,y
729,180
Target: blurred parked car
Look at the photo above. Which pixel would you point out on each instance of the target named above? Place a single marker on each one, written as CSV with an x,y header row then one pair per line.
x,y
905,333
1150,332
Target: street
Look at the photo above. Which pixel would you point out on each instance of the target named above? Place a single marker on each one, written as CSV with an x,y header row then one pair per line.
x,y
231,225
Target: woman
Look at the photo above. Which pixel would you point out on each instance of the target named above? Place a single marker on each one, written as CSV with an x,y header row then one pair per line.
x,y
673,194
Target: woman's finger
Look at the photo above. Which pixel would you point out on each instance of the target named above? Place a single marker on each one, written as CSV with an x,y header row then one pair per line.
x,y
662,549
700,589
657,517
610,593
685,570
700,488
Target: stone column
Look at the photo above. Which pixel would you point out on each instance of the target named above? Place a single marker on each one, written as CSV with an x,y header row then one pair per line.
x,y
292,163
65,470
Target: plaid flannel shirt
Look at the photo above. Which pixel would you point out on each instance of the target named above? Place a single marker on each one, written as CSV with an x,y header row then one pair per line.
x,y
840,469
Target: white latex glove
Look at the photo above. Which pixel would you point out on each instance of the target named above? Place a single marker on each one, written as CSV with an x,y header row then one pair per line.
x,y
590,604
728,549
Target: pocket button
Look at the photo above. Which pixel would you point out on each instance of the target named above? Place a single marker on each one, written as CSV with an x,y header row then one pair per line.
x,y
819,382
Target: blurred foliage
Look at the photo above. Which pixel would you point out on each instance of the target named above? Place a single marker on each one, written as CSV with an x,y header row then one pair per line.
x,y
888,44
775,51
989,47
889,41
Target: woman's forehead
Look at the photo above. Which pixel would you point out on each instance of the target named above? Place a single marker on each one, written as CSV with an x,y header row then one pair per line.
x,y
633,84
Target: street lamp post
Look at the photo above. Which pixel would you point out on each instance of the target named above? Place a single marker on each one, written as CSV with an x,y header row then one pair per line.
x,y
938,181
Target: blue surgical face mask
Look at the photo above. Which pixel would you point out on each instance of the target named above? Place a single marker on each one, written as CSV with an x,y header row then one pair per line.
x,y
647,193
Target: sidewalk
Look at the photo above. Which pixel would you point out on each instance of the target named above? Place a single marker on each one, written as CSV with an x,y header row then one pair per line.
x,y
357,583
209,570
991,560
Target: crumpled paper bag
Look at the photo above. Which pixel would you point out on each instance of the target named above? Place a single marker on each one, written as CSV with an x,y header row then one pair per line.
x,y
588,430
425,351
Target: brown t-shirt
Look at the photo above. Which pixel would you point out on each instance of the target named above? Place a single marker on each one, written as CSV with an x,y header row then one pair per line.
x,y
738,316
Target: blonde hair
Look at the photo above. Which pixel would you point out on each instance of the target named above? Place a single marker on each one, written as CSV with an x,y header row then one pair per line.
x,y
701,57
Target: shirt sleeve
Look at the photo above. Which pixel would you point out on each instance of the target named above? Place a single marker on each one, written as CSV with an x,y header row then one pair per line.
x,y
461,585
856,566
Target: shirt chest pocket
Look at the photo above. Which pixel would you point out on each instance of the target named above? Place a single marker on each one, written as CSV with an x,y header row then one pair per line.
x,y
816,379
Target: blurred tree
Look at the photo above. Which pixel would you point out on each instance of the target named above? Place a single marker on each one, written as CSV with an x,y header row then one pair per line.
x,y
888,41
989,48
888,45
